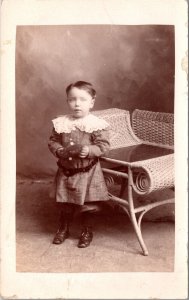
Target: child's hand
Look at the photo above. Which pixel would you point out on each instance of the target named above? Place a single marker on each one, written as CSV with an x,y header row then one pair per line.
x,y
84,151
60,153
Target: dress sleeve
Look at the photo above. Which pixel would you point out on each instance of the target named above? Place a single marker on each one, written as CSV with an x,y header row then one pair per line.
x,y
100,143
55,142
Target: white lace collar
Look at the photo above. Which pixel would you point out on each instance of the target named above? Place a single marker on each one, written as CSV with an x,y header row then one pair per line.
x,y
88,124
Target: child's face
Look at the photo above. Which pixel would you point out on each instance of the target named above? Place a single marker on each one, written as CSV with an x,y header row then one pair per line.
x,y
80,102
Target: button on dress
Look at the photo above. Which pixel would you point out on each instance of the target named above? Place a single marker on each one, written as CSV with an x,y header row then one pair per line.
x,y
84,186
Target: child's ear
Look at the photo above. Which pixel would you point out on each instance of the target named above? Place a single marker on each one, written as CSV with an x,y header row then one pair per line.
x,y
92,102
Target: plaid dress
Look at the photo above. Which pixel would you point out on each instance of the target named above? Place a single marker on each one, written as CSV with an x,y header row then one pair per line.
x,y
81,187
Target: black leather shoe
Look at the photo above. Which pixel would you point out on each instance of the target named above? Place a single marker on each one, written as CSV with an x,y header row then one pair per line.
x,y
60,236
63,229
85,238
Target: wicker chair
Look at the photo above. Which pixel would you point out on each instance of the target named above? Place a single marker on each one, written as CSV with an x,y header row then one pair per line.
x,y
149,130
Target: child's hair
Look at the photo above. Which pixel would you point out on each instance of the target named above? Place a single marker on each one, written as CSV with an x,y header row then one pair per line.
x,y
83,85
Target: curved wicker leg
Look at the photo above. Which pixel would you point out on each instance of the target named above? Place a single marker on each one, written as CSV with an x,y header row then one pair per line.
x,y
133,217
138,233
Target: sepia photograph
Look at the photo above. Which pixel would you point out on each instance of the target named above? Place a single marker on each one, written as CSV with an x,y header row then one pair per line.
x,y
94,152
109,91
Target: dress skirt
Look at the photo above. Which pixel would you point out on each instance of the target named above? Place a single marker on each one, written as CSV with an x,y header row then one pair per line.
x,y
82,187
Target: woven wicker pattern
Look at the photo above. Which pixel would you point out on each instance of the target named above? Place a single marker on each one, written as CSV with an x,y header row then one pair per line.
x,y
121,133
154,127
153,174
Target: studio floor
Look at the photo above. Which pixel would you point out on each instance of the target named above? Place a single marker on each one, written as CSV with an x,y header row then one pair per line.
x,y
114,248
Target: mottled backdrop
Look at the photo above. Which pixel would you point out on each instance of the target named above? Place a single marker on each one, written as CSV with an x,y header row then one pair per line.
x,y
130,66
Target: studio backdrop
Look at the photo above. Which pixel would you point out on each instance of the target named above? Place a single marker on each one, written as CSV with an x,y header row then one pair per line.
x,y
130,67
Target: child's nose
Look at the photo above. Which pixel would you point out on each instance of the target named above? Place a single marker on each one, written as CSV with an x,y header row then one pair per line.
x,y
77,102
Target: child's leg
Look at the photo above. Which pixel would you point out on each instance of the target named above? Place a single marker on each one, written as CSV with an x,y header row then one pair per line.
x,y
86,233
86,220
66,216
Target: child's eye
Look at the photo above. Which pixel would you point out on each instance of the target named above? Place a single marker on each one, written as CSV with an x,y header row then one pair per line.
x,y
71,99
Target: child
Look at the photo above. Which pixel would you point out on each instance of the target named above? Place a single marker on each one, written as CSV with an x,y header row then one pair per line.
x,y
78,140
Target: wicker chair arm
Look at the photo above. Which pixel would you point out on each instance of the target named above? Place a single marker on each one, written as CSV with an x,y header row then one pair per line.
x,y
153,174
